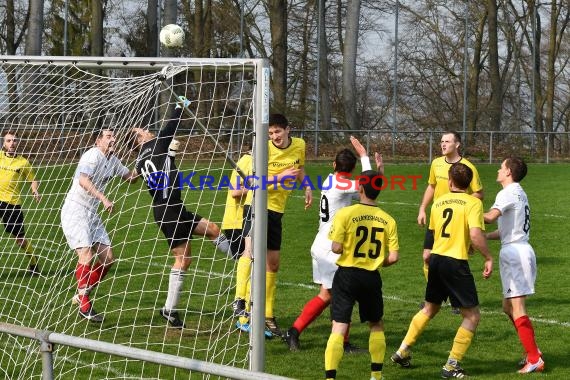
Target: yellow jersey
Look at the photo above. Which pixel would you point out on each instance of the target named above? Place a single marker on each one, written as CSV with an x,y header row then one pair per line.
x,y
365,233
439,175
278,161
233,214
452,215
14,172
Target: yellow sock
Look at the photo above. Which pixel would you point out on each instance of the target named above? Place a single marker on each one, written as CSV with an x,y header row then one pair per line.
x,y
417,326
243,272
426,269
244,319
461,343
30,252
377,348
270,285
333,354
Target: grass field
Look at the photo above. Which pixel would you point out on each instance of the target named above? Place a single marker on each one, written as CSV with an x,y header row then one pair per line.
x,y
137,287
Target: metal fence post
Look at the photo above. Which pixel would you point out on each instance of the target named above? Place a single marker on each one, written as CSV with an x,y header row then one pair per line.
x,y
491,147
430,145
548,147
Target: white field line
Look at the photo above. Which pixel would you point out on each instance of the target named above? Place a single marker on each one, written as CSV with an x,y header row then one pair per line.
x,y
390,297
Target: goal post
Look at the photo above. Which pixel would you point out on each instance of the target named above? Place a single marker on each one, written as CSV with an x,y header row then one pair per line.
x,y
54,105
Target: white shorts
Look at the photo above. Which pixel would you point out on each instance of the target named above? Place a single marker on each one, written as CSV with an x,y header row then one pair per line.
x,y
517,264
82,227
324,261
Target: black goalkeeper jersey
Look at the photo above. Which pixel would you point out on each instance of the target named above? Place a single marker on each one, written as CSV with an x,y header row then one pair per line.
x,y
158,168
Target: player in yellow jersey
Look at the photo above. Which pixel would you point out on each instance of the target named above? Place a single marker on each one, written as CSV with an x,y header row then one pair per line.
x,y
286,166
366,238
236,225
437,185
15,170
456,219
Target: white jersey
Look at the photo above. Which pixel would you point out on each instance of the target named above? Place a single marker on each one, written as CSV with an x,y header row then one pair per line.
x,y
336,195
514,222
100,169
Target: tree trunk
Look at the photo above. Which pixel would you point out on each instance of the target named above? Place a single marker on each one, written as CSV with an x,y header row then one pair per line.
x,y
324,84
496,106
349,92
474,75
152,46
36,27
278,25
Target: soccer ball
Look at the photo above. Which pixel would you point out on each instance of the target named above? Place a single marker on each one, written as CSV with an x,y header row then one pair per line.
x,y
172,35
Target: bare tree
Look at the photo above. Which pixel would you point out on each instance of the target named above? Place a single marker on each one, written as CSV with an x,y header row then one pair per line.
x,y
277,11
496,107
97,38
349,65
36,27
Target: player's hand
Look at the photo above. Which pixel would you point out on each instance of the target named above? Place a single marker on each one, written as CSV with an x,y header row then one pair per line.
x,y
308,197
37,196
488,269
360,150
379,163
107,205
290,172
422,218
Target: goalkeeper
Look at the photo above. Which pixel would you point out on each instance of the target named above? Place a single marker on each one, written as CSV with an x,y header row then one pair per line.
x,y
155,162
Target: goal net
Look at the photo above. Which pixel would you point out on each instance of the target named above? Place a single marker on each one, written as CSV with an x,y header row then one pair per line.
x,y
53,107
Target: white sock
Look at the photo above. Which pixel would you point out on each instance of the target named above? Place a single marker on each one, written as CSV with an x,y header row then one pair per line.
x,y
222,244
175,281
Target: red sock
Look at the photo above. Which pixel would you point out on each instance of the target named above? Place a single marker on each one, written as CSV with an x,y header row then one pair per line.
x,y
98,272
82,276
526,336
312,310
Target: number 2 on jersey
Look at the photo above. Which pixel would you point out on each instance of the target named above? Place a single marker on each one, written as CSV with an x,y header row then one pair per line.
x,y
447,215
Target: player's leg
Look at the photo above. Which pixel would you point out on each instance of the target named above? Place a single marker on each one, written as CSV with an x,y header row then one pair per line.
x,y
435,294
274,236
377,349
102,265
341,312
243,274
323,273
13,218
463,295
243,270
182,260
461,342
82,274
214,234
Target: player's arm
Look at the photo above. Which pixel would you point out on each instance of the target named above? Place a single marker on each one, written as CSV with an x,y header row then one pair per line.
x,y
131,177
480,243
494,235
35,185
88,185
308,190
479,194
391,259
336,247
492,215
426,199
361,151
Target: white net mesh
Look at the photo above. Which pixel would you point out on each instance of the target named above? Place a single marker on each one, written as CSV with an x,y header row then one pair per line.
x,y
53,110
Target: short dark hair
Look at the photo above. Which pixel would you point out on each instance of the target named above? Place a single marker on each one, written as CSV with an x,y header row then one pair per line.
x,y
345,161
461,175
456,135
98,133
278,120
517,167
371,182
8,132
